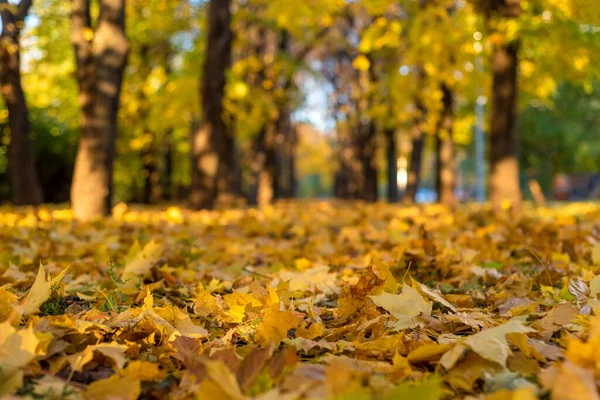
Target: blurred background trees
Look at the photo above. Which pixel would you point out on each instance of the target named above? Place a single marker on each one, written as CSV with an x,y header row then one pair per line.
x,y
218,102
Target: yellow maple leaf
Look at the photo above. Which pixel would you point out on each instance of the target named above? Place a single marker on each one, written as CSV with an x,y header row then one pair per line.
x,y
490,344
39,292
222,384
596,254
7,299
114,351
275,325
405,306
382,271
17,349
313,331
141,263
115,387
142,371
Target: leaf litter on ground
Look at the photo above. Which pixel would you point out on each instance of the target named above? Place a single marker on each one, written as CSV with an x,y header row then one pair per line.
x,y
301,300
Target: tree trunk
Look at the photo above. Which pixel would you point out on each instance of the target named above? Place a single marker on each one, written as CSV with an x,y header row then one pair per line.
x,y
211,138
343,185
226,178
264,185
357,177
416,156
152,187
291,164
149,154
446,162
504,178
100,58
167,190
285,145
24,180
392,165
366,148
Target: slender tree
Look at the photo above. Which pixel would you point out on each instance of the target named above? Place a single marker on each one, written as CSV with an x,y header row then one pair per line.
x,y
24,180
263,187
504,178
446,162
416,155
210,139
101,55
392,165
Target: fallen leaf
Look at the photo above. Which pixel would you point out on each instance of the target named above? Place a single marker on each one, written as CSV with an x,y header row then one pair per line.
x,y
596,254
17,350
275,325
39,292
428,390
572,382
221,383
141,263
405,306
7,299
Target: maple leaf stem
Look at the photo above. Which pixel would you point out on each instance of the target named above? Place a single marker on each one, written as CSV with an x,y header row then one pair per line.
x,y
407,271
541,262
255,273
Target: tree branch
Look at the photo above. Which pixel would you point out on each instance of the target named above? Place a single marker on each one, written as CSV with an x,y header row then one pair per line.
x,y
23,10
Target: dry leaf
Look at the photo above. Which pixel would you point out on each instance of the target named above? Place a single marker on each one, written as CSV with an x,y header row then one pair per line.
x,y
405,306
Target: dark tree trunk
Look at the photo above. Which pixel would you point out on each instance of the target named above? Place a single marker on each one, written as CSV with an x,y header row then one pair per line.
x,y
264,168
416,156
152,187
149,154
285,141
504,177
392,165
357,177
167,190
24,180
366,147
227,186
292,180
100,59
210,139
445,155
343,187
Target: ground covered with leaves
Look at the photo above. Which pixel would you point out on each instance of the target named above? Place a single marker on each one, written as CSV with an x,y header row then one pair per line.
x,y
304,300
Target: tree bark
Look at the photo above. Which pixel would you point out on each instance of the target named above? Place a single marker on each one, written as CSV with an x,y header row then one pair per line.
x,y
446,162
285,141
416,155
264,166
167,190
343,182
24,180
152,187
357,177
291,180
366,147
504,178
149,154
211,139
101,56
227,186
392,165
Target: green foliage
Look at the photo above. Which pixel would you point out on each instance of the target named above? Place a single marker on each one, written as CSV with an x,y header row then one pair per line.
x,y
55,305
563,137
54,146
